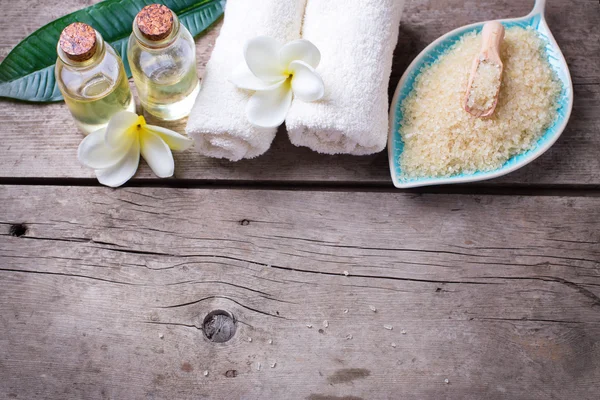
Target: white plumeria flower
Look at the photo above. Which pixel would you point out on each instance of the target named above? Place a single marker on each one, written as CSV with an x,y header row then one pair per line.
x,y
114,152
274,72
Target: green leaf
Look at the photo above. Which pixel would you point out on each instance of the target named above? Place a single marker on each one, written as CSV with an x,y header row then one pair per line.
x,y
27,73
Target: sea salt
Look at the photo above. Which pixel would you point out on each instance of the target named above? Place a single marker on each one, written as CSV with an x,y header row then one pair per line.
x,y
441,139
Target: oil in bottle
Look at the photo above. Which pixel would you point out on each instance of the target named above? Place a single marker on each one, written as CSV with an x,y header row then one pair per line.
x,y
91,78
162,56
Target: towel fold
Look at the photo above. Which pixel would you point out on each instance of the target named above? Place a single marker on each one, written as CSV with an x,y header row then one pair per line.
x,y
357,40
218,122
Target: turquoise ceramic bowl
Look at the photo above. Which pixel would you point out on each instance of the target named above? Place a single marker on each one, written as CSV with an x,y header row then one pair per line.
x,y
428,56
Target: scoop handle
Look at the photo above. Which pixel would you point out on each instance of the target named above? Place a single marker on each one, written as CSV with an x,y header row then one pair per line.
x,y
491,38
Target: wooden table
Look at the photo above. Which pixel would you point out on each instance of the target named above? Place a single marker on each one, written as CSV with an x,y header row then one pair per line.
x,y
340,287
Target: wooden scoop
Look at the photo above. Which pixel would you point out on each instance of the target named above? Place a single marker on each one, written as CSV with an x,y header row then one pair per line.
x,y
483,88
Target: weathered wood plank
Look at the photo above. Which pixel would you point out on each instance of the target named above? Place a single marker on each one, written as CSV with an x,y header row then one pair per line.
x,y
497,294
41,141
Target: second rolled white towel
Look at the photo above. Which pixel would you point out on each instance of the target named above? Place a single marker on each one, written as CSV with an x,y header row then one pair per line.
x,y
218,121
356,39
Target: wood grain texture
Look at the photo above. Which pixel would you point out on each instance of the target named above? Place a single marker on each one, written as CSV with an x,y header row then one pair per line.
x,y
497,294
41,141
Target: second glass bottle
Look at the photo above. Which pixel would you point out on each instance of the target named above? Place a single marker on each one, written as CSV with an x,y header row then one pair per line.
x,y
162,58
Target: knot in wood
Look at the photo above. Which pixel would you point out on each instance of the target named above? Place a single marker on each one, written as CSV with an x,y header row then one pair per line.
x,y
219,326
17,230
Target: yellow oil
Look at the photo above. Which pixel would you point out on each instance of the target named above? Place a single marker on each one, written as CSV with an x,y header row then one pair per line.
x,y
98,99
166,93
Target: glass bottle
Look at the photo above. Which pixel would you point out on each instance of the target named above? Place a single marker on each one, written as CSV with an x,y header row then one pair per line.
x,y
162,57
91,77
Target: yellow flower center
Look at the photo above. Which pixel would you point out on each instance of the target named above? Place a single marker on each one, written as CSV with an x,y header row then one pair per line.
x,y
289,74
141,122
137,127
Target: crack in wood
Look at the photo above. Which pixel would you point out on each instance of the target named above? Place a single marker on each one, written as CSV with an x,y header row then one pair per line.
x,y
130,251
226,298
595,299
540,264
41,257
533,254
294,238
330,244
573,241
337,245
409,250
582,290
378,288
222,283
573,285
172,324
138,193
353,275
524,319
72,240
596,262
69,275
264,295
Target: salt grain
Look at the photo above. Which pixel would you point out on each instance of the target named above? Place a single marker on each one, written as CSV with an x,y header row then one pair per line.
x,y
393,345
273,364
205,373
160,335
326,324
403,332
270,341
446,381
346,273
309,326
373,308
345,311
348,337
249,339
388,327
258,366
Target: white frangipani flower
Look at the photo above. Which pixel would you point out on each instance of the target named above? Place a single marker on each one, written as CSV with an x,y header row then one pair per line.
x,y
114,152
275,72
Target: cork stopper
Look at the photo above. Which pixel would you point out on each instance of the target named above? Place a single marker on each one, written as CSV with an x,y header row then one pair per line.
x,y
155,22
78,41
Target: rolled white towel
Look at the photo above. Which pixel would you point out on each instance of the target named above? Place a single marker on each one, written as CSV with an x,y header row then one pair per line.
x,y
218,122
357,40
